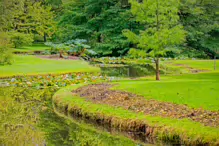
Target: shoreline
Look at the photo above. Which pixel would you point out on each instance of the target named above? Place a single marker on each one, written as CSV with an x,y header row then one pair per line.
x,y
126,121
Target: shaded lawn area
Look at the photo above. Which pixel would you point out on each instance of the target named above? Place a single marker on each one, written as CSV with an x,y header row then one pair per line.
x,y
194,90
31,65
34,47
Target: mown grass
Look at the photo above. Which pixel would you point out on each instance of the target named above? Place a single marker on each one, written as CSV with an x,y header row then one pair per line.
x,y
184,130
195,90
34,47
32,65
197,64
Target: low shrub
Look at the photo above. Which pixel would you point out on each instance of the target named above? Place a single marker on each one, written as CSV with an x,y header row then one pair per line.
x,y
20,39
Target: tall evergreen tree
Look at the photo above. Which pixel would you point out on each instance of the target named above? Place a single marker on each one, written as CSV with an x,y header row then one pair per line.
x,y
200,18
100,22
27,16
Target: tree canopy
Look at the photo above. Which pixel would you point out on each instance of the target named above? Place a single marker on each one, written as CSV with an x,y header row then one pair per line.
x,y
102,23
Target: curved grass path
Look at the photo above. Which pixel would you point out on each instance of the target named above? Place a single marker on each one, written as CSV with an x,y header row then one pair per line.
x,y
166,129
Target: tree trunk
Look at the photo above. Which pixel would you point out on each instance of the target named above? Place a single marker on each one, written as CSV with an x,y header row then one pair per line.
x,y
44,37
60,54
157,61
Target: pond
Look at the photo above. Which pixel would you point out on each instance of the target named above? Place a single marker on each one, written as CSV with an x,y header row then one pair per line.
x,y
62,131
27,117
126,70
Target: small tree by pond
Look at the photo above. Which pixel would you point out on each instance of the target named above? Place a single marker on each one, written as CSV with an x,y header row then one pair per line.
x,y
56,48
162,31
76,47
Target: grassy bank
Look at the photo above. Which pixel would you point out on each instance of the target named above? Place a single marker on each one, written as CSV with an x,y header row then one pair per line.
x,y
207,65
32,65
96,135
178,131
195,90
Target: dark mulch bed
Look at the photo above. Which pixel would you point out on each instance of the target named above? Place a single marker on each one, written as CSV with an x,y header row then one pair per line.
x,y
56,57
101,93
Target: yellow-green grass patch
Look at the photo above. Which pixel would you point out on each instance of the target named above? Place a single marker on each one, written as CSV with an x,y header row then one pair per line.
x,y
32,65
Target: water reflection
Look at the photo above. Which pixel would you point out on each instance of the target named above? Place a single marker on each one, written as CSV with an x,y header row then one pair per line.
x,y
27,118
127,70
68,132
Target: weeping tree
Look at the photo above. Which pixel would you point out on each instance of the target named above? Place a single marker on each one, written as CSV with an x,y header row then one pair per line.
x,y
77,47
162,30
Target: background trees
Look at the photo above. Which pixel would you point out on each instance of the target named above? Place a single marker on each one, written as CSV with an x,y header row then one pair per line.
x,y
20,21
101,22
5,49
200,18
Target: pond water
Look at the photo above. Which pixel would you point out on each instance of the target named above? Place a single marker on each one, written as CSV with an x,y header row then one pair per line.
x,y
29,120
127,70
62,131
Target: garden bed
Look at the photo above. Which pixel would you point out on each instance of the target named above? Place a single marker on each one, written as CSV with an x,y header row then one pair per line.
x,y
57,57
181,131
101,93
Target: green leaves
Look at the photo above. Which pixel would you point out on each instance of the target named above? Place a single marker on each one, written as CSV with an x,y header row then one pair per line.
x,y
161,26
100,22
20,39
5,49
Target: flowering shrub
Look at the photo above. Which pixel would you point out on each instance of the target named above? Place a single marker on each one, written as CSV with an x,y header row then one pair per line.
x,y
42,81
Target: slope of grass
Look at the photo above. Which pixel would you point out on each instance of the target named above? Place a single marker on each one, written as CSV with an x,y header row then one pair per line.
x,y
197,64
167,129
31,65
194,90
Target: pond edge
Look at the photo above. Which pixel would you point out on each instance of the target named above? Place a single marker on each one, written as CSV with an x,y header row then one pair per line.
x,y
66,103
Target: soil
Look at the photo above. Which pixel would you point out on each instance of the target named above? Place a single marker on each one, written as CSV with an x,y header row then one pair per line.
x,y
56,57
101,93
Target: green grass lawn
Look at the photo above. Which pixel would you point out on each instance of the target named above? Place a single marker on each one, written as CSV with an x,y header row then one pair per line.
x,y
31,65
194,90
34,47
197,64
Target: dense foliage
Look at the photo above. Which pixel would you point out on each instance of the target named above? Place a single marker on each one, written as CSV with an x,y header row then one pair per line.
x,y
101,22
20,20
5,50
200,19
